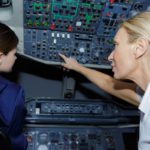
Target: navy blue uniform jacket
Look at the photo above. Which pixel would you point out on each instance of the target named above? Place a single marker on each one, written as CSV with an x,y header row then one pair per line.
x,y
12,113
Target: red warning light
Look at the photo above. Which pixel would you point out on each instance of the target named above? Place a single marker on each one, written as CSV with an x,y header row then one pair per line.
x,y
70,28
52,26
111,1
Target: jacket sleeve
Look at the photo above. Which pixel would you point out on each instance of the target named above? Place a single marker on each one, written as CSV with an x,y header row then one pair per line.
x,y
19,141
14,114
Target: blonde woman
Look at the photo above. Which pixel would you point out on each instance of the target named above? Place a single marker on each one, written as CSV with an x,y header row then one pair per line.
x,y
130,60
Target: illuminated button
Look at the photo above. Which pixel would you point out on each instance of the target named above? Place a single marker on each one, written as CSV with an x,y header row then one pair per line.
x,y
52,34
78,23
63,35
37,111
58,35
42,147
68,36
81,49
55,41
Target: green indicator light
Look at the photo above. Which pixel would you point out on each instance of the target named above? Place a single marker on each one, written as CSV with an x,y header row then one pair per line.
x,y
37,24
46,24
62,17
29,22
98,7
88,18
86,5
70,1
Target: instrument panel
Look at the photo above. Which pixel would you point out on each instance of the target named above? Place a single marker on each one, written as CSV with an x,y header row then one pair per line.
x,y
82,29
81,137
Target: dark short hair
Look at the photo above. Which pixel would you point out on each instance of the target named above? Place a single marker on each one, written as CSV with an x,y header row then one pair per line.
x,y
8,39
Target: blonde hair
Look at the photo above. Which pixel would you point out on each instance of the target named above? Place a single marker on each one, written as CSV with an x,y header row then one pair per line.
x,y
138,26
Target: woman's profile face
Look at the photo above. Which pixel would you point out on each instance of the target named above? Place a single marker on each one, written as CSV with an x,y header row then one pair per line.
x,y
7,61
122,57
